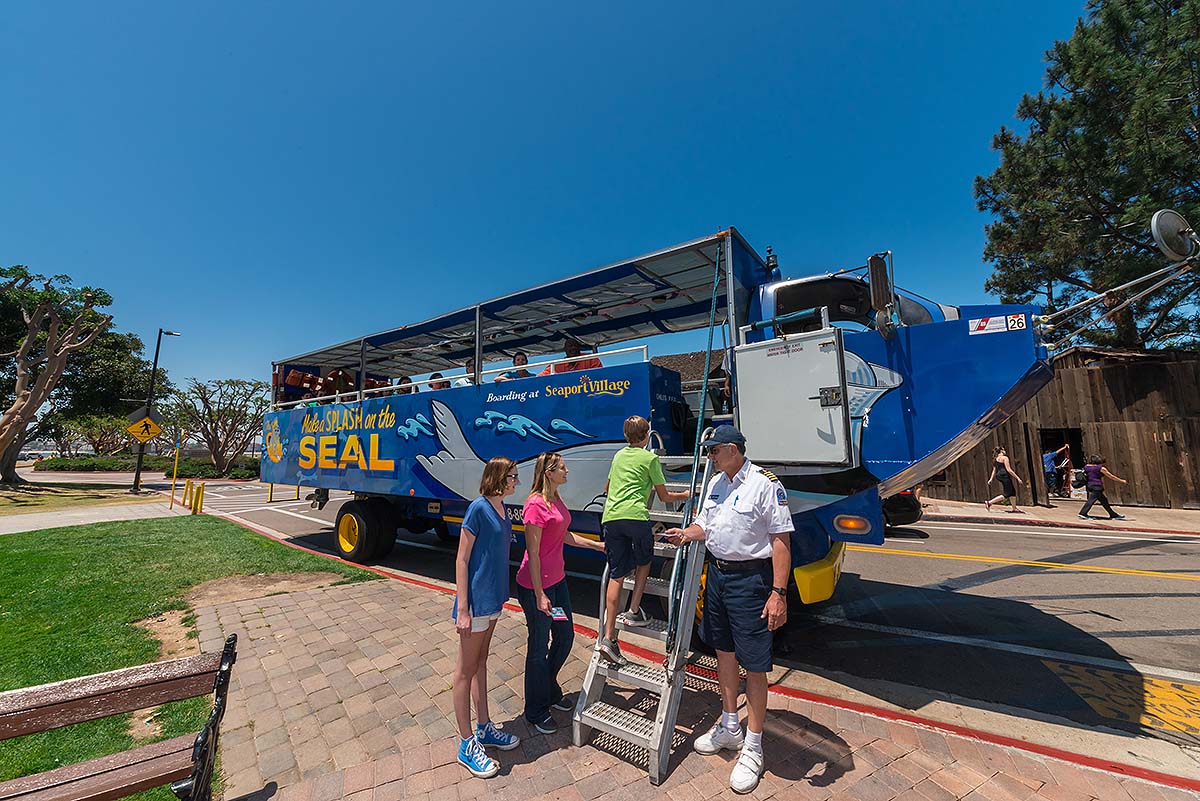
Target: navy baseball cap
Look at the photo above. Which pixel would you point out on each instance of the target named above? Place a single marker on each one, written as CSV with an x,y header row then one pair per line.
x,y
724,435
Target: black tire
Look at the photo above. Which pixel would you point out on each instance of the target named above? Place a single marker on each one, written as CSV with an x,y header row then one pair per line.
x,y
356,532
442,529
388,517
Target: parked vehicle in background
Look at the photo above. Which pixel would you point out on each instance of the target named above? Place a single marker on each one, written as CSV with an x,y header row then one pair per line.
x,y
901,509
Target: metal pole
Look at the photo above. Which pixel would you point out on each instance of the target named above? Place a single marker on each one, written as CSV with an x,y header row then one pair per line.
x,y
477,352
137,473
175,473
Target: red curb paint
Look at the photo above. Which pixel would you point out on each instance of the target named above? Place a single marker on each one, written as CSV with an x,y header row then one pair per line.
x,y
944,518
1069,757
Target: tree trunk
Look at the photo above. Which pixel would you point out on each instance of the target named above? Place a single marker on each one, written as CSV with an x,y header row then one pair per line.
x,y
8,462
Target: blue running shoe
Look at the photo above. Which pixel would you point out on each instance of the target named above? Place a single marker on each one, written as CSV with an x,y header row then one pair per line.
x,y
472,757
488,734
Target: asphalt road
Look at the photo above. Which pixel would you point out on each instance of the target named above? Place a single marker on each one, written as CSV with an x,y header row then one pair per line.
x,y
1096,628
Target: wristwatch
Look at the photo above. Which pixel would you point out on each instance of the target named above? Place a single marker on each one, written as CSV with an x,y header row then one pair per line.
x,y
781,590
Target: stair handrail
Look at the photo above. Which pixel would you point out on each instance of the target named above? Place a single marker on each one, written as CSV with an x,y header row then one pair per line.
x,y
689,508
679,569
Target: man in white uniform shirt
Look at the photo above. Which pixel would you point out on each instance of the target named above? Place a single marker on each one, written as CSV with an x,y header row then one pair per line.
x,y
746,526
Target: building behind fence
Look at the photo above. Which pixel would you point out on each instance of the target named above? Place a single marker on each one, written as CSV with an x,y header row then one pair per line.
x,y
1140,410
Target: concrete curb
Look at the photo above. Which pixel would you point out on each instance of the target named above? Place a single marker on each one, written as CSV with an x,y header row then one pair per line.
x,y
939,517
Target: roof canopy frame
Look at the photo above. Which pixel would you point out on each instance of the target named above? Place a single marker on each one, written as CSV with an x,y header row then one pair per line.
x,y
666,291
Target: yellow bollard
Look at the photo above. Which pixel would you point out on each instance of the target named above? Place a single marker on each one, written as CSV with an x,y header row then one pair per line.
x,y
198,499
186,500
175,472
297,492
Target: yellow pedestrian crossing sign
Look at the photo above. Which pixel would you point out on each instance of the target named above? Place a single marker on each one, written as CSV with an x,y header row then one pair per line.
x,y
145,429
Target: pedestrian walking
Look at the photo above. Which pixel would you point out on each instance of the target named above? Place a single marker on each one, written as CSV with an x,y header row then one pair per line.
x,y
481,581
1050,468
1002,471
628,534
746,526
1096,472
543,592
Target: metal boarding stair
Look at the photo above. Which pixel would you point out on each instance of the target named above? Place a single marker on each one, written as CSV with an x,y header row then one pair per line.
x,y
673,636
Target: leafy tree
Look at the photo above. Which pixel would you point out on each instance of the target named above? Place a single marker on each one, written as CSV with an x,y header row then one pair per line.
x,y
1114,137
225,415
60,320
105,433
100,380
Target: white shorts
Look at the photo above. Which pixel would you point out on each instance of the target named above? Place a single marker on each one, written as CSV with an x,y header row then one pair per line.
x,y
479,624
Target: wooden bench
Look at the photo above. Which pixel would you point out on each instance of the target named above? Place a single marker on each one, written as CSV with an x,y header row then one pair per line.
x,y
186,762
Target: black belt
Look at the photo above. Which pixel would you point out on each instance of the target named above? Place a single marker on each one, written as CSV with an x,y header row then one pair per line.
x,y
740,566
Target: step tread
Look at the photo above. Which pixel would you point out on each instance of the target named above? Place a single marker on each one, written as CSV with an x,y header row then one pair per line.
x,y
654,586
648,677
620,723
666,516
656,629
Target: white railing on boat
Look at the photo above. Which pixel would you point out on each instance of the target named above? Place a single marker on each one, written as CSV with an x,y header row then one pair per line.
x,y
356,395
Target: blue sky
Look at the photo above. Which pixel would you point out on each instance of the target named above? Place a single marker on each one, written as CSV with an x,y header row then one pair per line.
x,y
273,177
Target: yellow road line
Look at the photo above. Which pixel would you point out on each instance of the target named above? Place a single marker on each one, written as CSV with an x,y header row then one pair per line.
x,y
963,557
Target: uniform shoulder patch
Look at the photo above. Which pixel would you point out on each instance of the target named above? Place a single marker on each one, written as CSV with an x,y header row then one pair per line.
x,y
768,474
781,495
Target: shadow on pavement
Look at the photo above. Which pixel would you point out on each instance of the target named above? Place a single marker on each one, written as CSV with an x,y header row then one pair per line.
x,y
873,636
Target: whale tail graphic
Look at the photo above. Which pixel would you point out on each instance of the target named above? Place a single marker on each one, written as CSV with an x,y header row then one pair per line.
x,y
457,459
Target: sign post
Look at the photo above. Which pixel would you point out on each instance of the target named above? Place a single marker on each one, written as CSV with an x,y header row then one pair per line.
x,y
144,425
175,472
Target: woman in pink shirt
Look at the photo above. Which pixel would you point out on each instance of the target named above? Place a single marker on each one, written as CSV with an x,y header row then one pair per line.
x,y
542,590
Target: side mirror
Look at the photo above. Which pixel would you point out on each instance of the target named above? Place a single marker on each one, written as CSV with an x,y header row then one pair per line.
x,y
881,283
1174,237
883,296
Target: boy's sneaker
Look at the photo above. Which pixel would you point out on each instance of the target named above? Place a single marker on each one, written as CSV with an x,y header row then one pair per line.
x,y
612,652
719,737
638,618
1085,517
472,757
547,726
1117,517
488,734
565,704
747,771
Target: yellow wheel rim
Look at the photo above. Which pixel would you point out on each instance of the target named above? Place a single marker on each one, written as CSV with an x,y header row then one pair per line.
x,y
347,533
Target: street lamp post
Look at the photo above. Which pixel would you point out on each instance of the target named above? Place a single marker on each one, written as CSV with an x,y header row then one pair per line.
x,y
137,475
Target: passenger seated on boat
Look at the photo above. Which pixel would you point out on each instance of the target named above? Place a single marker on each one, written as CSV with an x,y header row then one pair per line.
x,y
572,350
467,379
519,361
437,382
404,386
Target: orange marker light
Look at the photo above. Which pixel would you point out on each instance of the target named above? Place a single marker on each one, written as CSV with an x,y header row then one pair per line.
x,y
852,524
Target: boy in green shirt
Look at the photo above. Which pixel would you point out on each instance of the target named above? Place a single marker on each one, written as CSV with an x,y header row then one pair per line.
x,y
628,533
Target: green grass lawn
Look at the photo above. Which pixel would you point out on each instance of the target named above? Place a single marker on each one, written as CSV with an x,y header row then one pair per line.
x,y
69,597
38,497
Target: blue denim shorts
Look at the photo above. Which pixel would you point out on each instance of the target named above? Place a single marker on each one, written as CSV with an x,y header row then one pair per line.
x,y
628,544
733,621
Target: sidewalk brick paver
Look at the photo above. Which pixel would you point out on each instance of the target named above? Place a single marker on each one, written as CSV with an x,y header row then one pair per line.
x,y
344,693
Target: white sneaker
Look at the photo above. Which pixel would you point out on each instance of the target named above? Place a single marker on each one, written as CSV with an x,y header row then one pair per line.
x,y
747,771
718,738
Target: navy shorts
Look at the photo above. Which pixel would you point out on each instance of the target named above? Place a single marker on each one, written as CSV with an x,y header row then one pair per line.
x,y
628,544
733,621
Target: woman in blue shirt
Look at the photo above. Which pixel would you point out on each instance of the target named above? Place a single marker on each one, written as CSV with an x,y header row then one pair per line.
x,y
481,579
